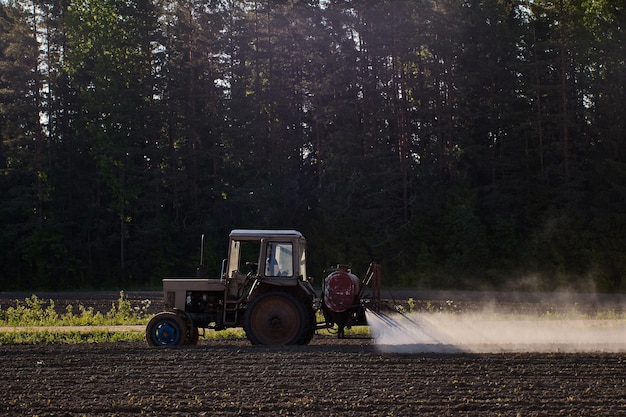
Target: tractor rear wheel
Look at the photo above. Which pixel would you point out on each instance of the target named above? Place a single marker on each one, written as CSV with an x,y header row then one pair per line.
x,y
312,327
166,329
276,318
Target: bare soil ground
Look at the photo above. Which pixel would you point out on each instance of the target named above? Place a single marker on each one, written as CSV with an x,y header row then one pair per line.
x,y
329,377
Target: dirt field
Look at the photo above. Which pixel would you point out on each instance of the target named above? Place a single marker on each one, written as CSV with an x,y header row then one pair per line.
x,y
329,377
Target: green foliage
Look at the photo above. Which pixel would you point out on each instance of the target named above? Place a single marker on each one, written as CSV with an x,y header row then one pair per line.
x,y
39,337
460,144
32,311
36,312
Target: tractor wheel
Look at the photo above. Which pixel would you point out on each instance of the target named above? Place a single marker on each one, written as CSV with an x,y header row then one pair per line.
x,y
166,329
276,318
192,336
312,328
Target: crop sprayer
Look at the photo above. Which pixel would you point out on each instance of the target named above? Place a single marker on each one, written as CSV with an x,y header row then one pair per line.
x,y
264,288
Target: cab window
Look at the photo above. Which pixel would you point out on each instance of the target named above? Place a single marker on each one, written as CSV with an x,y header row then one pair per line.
x,y
279,261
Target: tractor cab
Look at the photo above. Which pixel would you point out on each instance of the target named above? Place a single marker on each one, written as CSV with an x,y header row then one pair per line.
x,y
279,255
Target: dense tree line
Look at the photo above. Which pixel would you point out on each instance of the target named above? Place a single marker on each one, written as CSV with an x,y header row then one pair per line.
x,y
462,144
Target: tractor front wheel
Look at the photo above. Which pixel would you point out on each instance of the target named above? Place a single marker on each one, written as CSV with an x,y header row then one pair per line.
x,y
276,318
192,335
166,329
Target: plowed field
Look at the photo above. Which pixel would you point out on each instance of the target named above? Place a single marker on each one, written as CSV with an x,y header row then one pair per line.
x,y
329,377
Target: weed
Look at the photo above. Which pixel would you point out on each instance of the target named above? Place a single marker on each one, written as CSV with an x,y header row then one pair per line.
x,y
34,311
411,303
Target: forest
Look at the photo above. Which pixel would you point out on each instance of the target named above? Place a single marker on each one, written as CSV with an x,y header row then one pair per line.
x,y
462,144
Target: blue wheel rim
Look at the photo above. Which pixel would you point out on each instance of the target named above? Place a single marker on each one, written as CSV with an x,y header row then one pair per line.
x,y
167,334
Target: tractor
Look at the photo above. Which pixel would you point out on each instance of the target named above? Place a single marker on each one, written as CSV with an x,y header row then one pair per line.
x,y
264,288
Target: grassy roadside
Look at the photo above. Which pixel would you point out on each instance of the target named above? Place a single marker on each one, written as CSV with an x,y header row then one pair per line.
x,y
34,336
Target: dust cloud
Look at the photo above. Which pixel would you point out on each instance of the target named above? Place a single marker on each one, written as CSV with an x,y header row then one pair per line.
x,y
490,332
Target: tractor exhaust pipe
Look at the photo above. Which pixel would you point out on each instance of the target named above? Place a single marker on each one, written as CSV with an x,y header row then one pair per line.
x,y
201,270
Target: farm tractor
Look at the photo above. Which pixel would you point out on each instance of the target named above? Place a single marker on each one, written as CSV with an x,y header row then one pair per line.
x,y
264,288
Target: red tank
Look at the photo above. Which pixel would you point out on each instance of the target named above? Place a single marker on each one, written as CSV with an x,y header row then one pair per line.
x,y
341,290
